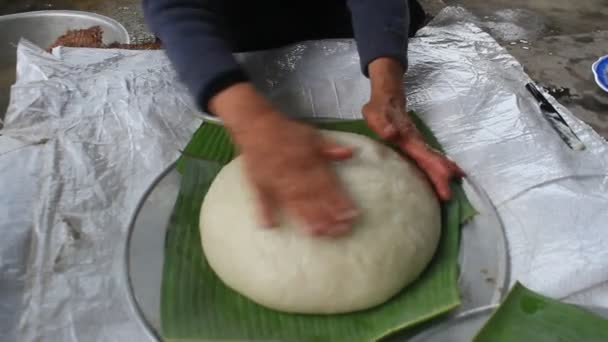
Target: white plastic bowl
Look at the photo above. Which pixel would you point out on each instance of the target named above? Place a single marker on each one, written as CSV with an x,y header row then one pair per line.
x,y
43,28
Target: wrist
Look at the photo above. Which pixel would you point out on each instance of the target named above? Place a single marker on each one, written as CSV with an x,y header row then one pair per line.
x,y
243,110
386,80
385,65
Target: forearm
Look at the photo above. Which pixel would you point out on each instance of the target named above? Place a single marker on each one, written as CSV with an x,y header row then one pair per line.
x,y
386,80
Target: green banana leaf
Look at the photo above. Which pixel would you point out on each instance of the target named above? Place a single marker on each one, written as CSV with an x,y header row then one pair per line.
x,y
205,143
197,306
528,316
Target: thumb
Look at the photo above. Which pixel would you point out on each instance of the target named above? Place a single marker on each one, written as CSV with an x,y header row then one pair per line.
x,y
334,151
379,122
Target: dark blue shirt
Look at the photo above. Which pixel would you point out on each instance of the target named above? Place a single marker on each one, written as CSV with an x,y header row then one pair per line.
x,y
201,35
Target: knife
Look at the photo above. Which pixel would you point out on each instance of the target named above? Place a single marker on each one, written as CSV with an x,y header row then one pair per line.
x,y
556,120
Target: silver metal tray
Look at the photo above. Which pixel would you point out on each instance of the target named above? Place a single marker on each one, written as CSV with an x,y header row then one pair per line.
x,y
206,117
465,326
483,253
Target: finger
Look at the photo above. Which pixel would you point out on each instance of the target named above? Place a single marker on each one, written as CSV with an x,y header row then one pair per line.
x,y
338,230
342,220
405,127
439,173
325,208
441,183
338,219
315,219
413,147
303,204
267,209
339,206
334,151
381,124
457,170
334,227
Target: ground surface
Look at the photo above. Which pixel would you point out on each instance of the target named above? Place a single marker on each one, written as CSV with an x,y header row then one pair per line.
x,y
555,40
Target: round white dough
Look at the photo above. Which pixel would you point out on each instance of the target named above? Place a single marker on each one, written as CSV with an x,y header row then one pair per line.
x,y
286,269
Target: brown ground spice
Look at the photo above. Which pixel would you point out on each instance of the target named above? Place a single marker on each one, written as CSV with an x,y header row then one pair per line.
x,y
92,37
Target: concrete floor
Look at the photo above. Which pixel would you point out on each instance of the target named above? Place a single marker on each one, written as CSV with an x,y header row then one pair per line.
x,y
555,40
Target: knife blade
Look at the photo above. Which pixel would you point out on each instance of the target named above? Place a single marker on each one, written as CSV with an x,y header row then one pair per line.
x,y
556,120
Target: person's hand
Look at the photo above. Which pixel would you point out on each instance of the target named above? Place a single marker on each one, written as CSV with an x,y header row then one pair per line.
x,y
392,123
289,163
385,113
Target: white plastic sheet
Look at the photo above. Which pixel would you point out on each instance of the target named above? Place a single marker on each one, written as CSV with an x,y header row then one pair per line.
x,y
85,143
88,130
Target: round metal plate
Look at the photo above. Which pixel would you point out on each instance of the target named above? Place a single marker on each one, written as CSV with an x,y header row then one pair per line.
x,y
464,327
216,120
484,259
483,252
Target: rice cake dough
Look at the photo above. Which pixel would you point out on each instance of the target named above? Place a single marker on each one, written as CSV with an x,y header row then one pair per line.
x,y
286,269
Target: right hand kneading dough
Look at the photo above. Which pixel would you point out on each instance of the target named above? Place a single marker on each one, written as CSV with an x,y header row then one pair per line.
x,y
286,269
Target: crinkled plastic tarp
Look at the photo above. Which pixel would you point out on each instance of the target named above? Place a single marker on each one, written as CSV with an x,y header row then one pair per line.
x,y
89,130
80,146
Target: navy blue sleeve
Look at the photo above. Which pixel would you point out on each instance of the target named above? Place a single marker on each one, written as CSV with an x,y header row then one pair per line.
x,y
381,29
192,35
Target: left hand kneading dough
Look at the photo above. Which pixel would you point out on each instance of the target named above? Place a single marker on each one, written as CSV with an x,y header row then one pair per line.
x,y
286,269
